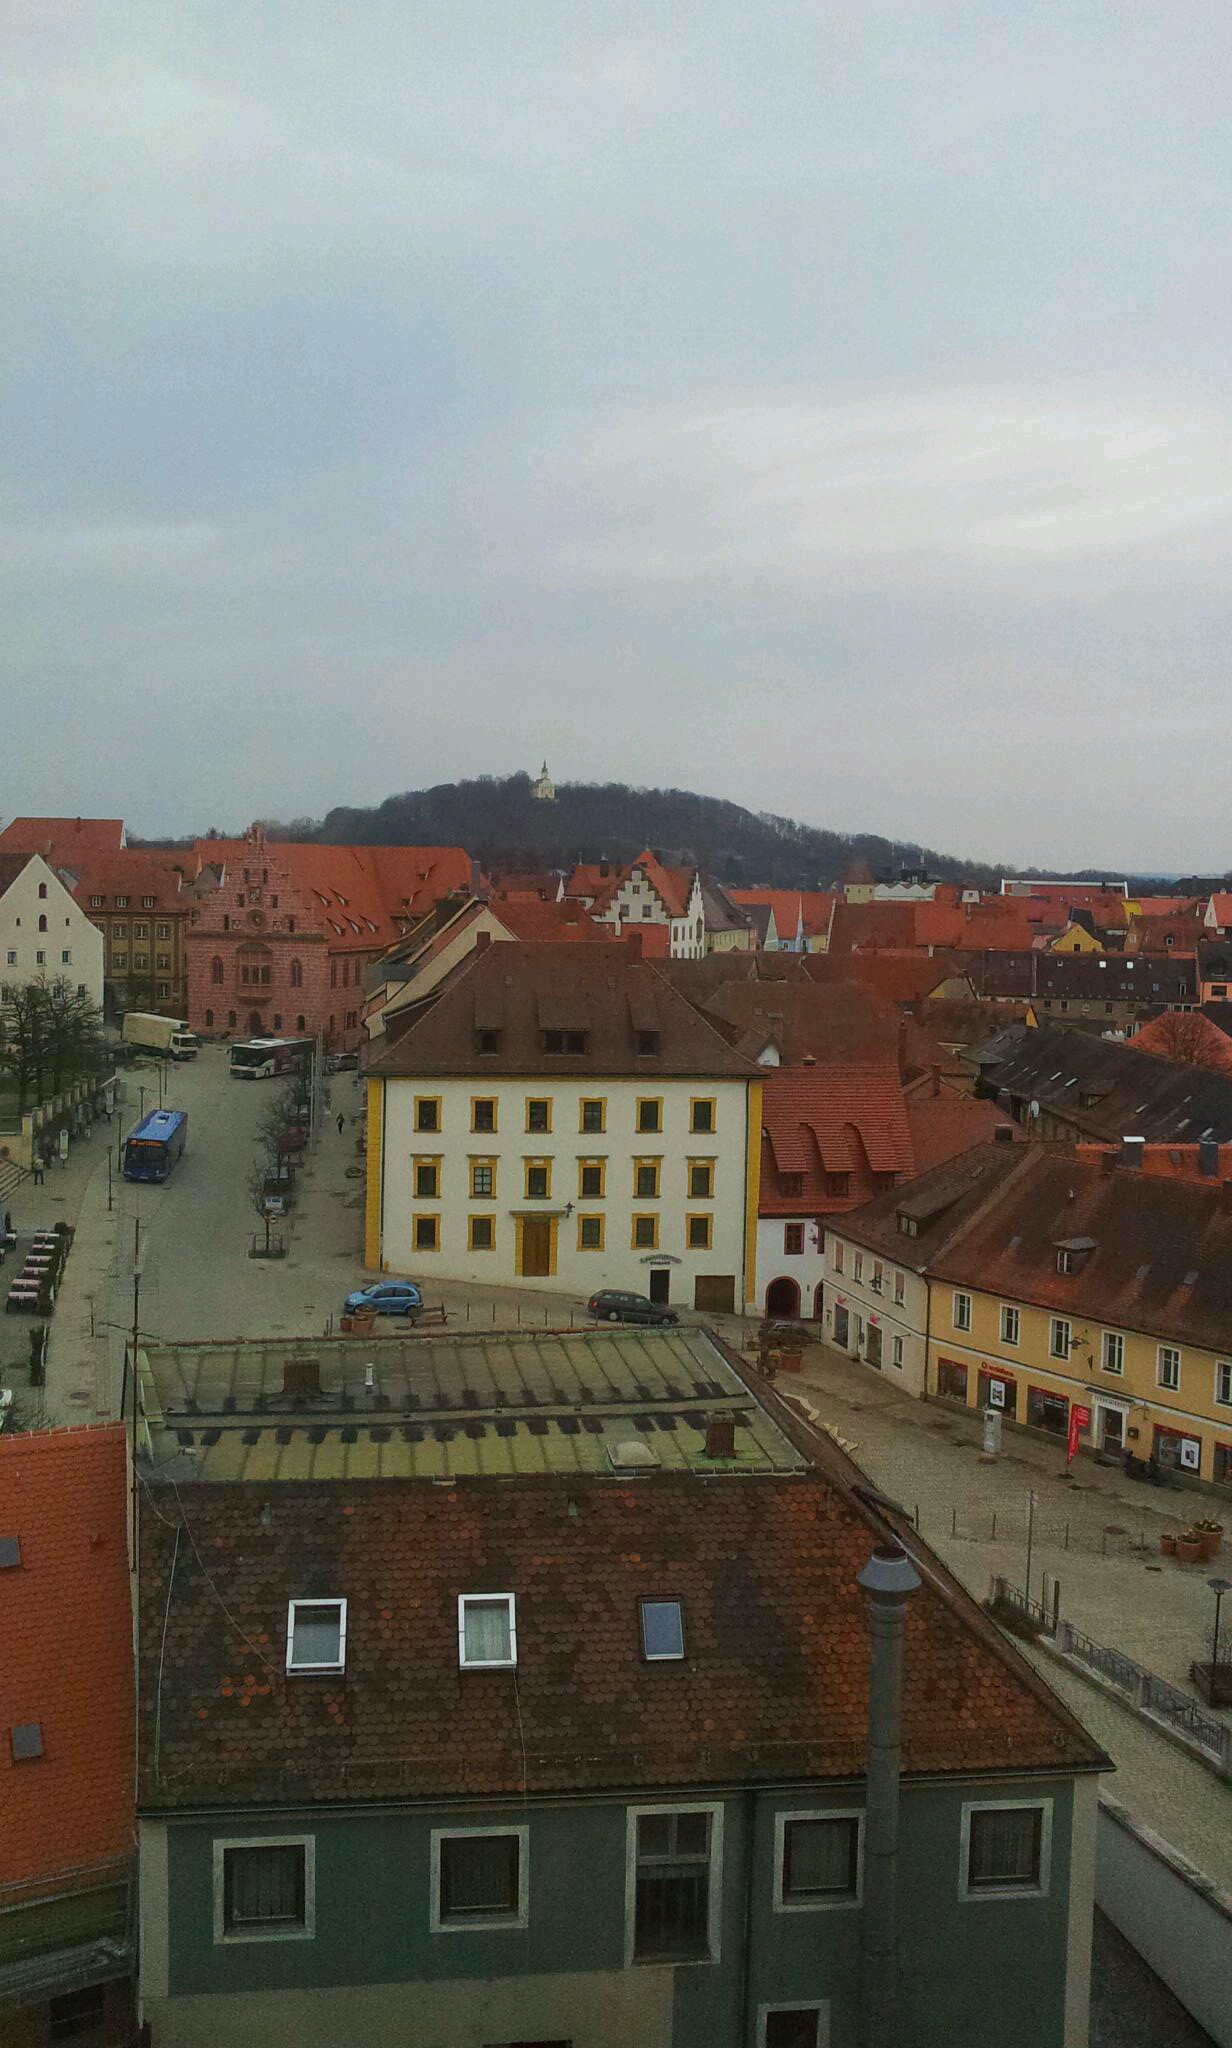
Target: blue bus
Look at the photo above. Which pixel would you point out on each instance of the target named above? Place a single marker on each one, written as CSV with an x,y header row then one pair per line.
x,y
151,1150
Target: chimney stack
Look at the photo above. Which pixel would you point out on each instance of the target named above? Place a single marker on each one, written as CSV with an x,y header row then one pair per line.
x,y
888,1579
721,1436
482,941
1208,1158
1107,1163
1132,1150
301,1379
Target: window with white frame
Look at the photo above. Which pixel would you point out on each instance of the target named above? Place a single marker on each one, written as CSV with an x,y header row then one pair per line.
x,y
1005,1848
1011,1324
900,1287
1058,1336
673,1883
818,1859
1223,1383
480,1878
800,2025
857,1266
1112,1352
896,1352
264,1888
837,1248
1168,1366
487,1631
662,1631
316,1635
962,1311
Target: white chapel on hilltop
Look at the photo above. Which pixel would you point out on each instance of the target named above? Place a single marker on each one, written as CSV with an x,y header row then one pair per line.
x,y
544,790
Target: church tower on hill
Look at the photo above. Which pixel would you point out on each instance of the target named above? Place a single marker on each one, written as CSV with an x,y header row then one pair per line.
x,y
544,791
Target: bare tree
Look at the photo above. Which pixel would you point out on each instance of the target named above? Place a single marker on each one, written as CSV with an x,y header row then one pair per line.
x,y
258,1197
1189,1038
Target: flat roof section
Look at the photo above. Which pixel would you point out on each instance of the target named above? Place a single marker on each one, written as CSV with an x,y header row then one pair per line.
x,y
506,1404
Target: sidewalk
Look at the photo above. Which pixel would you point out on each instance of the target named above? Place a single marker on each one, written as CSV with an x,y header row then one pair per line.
x,y
928,1458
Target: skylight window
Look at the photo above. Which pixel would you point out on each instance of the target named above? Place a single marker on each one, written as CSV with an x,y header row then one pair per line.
x,y
487,1631
27,1740
316,1635
10,1552
662,1631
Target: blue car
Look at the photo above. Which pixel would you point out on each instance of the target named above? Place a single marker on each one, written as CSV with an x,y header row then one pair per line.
x,y
386,1298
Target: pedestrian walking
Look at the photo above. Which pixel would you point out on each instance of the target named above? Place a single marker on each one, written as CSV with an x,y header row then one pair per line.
x,y
37,1170
341,1123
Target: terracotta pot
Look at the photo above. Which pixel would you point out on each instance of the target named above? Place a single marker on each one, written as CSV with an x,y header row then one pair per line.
x,y
1189,1549
1167,1545
790,1361
1208,1543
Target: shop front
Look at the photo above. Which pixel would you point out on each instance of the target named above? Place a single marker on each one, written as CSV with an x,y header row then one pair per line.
x,y
1172,1447
1046,1410
998,1389
952,1380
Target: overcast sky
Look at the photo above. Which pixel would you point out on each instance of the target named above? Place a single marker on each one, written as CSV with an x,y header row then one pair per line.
x,y
820,405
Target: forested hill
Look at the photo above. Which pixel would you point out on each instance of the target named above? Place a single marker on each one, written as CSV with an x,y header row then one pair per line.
x,y
500,822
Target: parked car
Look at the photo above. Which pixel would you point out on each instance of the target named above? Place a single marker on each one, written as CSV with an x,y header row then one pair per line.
x,y
386,1298
294,1139
613,1305
342,1063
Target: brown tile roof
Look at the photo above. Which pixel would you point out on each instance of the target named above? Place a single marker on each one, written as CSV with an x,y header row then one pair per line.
x,y
939,1203
550,922
12,867
1143,978
609,992
66,1626
903,976
1103,1088
773,1686
1162,1261
840,1023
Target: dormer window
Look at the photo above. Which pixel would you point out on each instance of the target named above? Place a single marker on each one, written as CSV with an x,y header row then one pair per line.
x,y
487,1631
566,1041
647,1044
907,1226
26,1739
316,1635
1065,1262
487,1041
662,1631
793,1183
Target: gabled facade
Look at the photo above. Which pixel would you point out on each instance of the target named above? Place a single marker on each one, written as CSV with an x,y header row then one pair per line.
x,y
559,1116
135,897
43,934
648,893
431,1719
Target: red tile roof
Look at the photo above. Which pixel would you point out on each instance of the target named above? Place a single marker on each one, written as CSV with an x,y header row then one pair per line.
x,y
1187,1036
903,977
1221,910
88,837
545,922
589,880
822,1120
379,888
66,1628
671,885
948,1123
836,1023
790,907
774,1686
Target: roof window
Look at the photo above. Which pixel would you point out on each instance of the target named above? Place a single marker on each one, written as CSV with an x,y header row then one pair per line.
x,y
316,1635
647,1044
566,1041
27,1740
662,1631
10,1552
487,1631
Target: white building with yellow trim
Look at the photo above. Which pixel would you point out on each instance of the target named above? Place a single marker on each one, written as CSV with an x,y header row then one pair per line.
x,y
562,1118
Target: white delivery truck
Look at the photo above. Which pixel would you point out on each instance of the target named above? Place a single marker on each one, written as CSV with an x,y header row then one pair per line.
x,y
169,1037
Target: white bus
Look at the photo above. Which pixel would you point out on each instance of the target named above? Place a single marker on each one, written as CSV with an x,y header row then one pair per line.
x,y
261,1058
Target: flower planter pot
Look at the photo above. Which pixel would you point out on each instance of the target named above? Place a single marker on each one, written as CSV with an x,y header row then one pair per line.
x,y
1188,1550
789,1361
1208,1543
1167,1545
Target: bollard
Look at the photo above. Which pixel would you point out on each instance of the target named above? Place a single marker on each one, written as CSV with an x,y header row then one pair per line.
x,y
953,1521
994,1525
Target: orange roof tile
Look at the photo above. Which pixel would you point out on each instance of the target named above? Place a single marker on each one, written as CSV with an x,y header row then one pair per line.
x,y
88,836
822,1120
948,1123
67,1661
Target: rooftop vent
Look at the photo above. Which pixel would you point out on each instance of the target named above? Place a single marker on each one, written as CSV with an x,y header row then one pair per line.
x,y
721,1436
633,1456
27,1740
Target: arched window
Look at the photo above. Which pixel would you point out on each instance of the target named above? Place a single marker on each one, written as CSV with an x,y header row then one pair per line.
x,y
297,974
42,924
209,1019
278,1020
299,1024
42,891
230,1020
226,922
216,969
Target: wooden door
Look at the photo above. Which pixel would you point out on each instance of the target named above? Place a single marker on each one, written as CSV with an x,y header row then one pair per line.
x,y
536,1247
660,1283
715,1292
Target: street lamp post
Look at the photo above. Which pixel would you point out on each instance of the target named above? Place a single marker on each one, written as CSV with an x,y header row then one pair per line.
x,y
1218,1587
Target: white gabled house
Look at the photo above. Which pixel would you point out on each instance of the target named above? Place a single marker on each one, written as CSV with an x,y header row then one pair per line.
x,y
43,933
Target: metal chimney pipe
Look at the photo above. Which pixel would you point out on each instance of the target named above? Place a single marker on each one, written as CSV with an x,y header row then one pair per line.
x,y
889,1579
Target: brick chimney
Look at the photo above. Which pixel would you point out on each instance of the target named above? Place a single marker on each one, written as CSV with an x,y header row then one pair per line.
x,y
301,1378
721,1436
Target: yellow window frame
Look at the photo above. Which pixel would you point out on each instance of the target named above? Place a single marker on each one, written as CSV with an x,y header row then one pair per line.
x,y
546,1132
583,1195
693,1244
435,1245
695,1102
581,1244
644,1244
471,1241
431,1162
589,1130
489,1130
655,1166
654,1102
480,1159
527,1166
705,1166
420,1102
